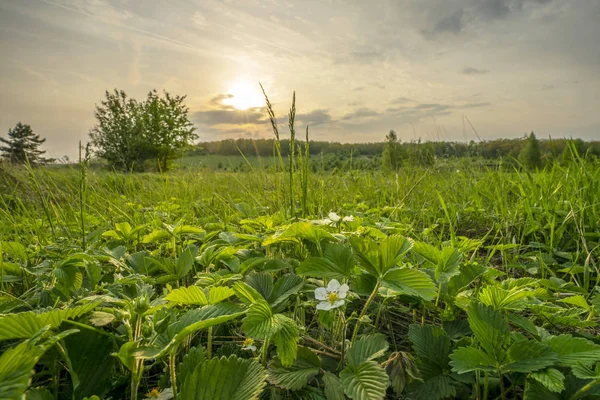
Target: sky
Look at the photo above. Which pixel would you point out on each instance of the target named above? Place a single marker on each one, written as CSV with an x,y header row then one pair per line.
x,y
430,69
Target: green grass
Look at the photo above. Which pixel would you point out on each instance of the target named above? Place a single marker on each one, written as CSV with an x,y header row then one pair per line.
x,y
499,265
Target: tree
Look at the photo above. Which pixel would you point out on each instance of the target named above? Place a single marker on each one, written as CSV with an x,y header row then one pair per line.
x,y
391,152
129,134
22,146
530,156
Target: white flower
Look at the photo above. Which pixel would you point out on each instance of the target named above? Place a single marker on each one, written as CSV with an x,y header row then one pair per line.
x,y
349,218
249,344
332,296
334,217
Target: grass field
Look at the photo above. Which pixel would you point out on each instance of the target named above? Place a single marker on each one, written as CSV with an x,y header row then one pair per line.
x,y
464,281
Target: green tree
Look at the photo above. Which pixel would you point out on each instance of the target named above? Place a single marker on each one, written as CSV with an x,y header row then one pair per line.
x,y
129,134
22,146
530,156
391,152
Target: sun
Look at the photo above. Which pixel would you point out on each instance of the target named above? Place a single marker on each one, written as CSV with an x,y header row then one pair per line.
x,y
245,96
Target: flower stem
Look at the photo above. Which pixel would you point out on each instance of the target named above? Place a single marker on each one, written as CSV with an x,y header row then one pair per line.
x,y
173,374
364,311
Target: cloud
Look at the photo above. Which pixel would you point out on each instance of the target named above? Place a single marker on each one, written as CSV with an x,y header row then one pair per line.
x,y
361,113
475,105
474,71
452,23
315,117
229,116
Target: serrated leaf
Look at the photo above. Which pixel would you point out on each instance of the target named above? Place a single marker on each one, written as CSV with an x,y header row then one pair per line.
x,y
467,359
26,324
411,282
194,357
337,263
366,381
262,282
101,318
217,294
333,387
284,287
490,328
260,322
225,379
378,258
528,356
286,339
190,295
430,342
297,375
203,318
551,378
436,388
367,348
578,301
246,293
502,299
572,351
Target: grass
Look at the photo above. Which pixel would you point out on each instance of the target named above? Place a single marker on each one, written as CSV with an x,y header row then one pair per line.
x,y
123,253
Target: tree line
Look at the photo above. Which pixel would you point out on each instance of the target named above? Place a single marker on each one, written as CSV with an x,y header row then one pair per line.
x,y
132,135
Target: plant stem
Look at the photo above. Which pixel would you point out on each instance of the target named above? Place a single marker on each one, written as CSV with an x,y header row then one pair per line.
x,y
173,374
502,389
209,343
364,311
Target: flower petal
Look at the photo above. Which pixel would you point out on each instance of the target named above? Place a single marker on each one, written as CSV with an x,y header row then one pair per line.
x,y
324,305
333,286
337,303
342,291
349,218
334,217
321,293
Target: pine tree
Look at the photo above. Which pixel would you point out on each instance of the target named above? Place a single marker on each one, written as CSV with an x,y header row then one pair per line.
x,y
22,146
531,156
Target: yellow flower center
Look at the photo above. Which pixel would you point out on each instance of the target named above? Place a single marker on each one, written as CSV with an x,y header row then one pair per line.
x,y
154,393
332,297
248,342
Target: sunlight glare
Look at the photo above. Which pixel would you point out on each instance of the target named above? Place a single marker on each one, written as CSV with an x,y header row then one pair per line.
x,y
245,96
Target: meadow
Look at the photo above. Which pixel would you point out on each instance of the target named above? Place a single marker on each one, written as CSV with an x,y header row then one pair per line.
x,y
458,280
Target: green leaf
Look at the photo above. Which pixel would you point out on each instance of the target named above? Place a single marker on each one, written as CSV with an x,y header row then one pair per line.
x,y
378,258
101,318
467,359
16,363
551,378
572,351
298,232
246,293
225,379
262,282
430,342
436,388
366,381
337,263
528,356
585,372
501,299
217,294
578,301
297,375
26,324
260,322
367,348
286,339
194,357
410,281
89,353
490,328
207,316
185,261
333,387
191,295
285,286
446,262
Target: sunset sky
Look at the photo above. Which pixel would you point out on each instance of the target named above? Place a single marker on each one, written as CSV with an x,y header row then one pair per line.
x,y
359,67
